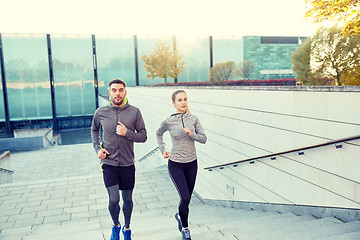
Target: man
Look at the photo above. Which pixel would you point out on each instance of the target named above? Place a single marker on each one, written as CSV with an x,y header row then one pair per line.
x,y
122,125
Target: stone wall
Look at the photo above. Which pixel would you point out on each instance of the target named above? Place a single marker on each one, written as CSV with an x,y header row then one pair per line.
x,y
246,122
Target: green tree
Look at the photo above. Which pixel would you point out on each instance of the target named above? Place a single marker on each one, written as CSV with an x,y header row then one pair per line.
x,y
301,63
333,55
163,62
245,69
352,77
344,12
222,71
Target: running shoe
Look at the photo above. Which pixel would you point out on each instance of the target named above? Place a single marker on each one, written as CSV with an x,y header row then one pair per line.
x,y
115,235
177,217
185,234
127,234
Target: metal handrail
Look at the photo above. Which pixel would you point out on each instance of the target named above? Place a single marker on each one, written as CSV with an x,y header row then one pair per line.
x,y
273,155
46,137
6,170
148,154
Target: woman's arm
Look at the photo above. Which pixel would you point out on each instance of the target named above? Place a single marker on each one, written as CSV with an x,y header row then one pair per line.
x,y
199,134
159,135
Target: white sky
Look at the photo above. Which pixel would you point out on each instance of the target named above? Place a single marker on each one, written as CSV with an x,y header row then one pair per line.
x,y
154,17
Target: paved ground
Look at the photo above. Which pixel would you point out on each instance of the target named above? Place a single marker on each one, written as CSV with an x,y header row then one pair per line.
x,y
57,162
58,193
63,185
75,136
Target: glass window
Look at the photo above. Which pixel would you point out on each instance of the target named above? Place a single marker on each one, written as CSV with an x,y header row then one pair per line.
x,y
227,49
27,76
279,40
146,45
73,75
196,54
115,59
2,107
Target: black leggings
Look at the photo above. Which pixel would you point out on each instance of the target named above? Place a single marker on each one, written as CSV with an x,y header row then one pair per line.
x,y
114,207
183,175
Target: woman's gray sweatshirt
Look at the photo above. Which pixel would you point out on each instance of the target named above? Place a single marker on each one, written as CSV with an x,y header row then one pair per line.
x,y
183,145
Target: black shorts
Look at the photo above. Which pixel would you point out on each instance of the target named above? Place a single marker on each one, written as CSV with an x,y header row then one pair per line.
x,y
122,176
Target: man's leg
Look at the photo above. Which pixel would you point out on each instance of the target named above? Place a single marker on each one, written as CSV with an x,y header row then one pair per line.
x,y
114,207
127,206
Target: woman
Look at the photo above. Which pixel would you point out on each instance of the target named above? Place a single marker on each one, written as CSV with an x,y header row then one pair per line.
x,y
184,129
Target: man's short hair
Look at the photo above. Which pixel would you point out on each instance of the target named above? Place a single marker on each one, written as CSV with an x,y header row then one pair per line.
x,y
120,81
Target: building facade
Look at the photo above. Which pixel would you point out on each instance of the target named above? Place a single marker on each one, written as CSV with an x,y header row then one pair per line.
x,y
55,80
271,55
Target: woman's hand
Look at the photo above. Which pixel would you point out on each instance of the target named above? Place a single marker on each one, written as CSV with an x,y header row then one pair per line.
x,y
166,154
187,131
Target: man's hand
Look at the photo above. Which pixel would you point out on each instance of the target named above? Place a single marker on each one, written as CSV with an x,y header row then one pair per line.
x,y
166,154
102,153
121,129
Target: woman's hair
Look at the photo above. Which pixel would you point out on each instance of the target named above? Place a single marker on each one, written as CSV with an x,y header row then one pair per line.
x,y
173,96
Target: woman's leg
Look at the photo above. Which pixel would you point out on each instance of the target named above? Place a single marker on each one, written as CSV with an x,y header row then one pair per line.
x,y
180,178
127,206
114,207
190,175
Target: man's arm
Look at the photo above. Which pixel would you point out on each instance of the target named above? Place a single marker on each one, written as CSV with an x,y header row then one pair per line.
x,y
95,132
140,134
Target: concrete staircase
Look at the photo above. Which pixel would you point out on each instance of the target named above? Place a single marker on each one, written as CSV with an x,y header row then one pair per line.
x,y
30,139
230,224
155,202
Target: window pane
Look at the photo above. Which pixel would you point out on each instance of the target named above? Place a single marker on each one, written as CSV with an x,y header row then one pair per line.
x,y
2,107
196,54
115,59
227,49
73,75
146,45
279,40
27,76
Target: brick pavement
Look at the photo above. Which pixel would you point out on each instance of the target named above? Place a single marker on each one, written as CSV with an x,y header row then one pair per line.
x,y
63,185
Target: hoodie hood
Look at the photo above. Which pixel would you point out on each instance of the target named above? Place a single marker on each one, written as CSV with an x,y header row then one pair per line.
x,y
122,107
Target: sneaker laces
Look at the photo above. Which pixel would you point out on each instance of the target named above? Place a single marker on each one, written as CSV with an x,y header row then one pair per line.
x,y
127,234
115,232
116,229
186,233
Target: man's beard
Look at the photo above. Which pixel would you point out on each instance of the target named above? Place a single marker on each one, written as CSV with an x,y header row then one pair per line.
x,y
118,103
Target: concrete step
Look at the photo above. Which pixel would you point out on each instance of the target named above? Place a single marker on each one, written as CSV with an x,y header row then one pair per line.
x,y
267,222
272,230
155,203
89,230
344,236
325,231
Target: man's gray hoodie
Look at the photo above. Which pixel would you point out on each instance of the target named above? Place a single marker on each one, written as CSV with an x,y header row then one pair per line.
x,y
121,148
183,145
